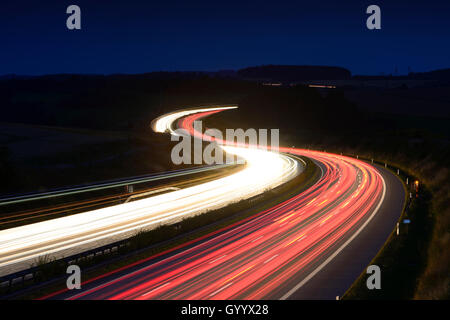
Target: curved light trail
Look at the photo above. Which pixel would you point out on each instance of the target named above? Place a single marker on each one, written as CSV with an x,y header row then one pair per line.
x,y
165,122
269,255
73,234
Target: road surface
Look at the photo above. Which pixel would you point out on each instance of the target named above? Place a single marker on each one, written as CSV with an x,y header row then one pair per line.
x,y
66,236
311,246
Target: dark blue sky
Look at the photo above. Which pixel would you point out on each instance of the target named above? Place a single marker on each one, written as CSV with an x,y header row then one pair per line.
x,y
141,36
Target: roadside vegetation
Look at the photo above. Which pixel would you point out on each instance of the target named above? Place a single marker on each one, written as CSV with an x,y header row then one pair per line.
x,y
418,261
403,257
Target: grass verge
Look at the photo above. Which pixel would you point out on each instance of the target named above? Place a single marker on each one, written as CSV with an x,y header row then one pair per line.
x,y
402,259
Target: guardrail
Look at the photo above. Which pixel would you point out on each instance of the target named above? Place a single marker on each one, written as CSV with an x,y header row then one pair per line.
x,y
107,185
19,277
412,185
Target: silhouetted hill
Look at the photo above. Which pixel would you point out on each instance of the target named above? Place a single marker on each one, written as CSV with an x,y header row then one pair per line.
x,y
441,75
282,73
294,73
13,76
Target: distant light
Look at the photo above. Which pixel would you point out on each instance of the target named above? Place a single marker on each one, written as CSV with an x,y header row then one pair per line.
x,y
321,86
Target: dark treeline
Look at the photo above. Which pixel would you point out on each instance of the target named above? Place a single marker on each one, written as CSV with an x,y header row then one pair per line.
x,y
441,75
108,102
295,108
295,73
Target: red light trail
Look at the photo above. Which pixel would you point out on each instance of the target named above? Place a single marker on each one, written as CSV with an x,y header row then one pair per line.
x,y
269,253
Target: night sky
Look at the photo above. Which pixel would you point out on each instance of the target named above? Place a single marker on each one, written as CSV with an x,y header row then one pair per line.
x,y
142,36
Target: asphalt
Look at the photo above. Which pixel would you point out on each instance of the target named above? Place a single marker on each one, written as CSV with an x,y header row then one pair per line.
x,y
336,277
332,280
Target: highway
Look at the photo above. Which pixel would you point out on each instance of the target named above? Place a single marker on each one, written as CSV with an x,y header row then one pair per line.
x,y
65,236
312,246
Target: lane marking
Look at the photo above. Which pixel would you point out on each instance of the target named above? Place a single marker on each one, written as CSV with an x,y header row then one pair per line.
x,y
165,284
217,259
320,267
270,259
256,239
221,289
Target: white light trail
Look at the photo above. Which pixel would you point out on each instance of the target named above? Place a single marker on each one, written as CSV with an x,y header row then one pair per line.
x,y
165,122
76,233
